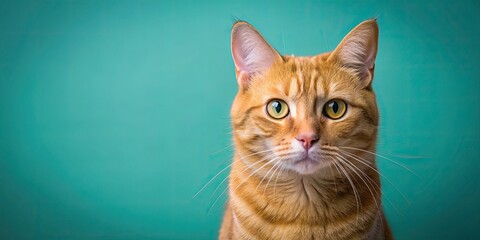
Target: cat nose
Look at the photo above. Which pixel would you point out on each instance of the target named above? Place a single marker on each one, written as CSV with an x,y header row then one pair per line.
x,y
307,140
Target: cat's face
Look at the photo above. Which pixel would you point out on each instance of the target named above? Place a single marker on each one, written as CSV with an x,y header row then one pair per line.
x,y
299,111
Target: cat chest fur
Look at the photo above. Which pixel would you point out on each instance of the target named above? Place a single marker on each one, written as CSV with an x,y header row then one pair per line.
x,y
298,209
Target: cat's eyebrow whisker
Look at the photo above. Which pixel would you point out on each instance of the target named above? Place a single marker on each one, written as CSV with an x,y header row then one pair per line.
x,y
365,162
386,158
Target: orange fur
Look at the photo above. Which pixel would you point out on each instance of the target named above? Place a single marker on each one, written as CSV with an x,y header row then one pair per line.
x,y
337,195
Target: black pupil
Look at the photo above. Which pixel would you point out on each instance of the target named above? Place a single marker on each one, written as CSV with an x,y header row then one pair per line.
x,y
277,106
334,106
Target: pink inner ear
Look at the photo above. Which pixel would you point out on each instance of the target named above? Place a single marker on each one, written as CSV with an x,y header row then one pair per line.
x,y
370,59
251,53
358,50
241,71
238,57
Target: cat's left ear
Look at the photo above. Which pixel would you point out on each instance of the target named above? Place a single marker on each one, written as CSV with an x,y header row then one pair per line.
x,y
357,51
251,53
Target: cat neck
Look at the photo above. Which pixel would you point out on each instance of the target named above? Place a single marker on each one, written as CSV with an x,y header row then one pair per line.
x,y
292,197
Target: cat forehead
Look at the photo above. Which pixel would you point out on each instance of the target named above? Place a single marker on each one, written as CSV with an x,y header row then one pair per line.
x,y
299,77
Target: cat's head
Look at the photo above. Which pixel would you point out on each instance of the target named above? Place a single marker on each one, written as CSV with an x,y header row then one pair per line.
x,y
301,111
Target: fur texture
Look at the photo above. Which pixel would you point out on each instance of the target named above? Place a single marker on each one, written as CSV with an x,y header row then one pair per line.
x,y
305,175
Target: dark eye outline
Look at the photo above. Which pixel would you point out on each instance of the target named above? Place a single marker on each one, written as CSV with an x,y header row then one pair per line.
x,y
278,100
324,110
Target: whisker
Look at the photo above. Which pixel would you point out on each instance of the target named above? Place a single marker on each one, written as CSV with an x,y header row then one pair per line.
x,y
218,151
364,162
281,172
266,174
352,166
216,200
376,185
244,169
270,161
334,178
357,200
376,154
405,156
216,175
338,171
273,174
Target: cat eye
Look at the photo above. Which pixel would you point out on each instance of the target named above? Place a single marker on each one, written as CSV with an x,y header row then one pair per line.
x,y
277,109
335,109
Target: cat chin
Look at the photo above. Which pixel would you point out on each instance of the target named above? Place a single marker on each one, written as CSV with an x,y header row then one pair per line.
x,y
307,166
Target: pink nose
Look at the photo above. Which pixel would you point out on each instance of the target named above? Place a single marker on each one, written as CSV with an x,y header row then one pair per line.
x,y
307,140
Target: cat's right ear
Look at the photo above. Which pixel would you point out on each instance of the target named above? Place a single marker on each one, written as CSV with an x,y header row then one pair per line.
x,y
358,50
251,53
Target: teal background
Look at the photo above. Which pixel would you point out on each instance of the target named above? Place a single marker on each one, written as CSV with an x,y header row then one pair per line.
x,y
113,114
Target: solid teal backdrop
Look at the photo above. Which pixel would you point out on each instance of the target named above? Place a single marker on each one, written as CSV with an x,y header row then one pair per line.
x,y
113,114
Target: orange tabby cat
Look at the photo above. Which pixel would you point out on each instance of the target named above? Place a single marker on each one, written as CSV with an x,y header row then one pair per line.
x,y
304,130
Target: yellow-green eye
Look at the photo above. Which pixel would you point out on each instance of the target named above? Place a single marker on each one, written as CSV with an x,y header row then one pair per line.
x,y
277,109
335,109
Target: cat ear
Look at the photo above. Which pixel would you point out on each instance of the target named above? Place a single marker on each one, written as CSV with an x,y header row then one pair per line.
x,y
251,53
357,51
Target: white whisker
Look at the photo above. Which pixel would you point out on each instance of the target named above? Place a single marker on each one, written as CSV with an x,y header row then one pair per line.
x,y
266,174
245,168
273,174
357,199
352,167
378,155
258,169
206,184
218,151
275,184
364,162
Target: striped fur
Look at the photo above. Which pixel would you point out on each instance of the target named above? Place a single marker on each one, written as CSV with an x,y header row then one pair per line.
x,y
336,197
